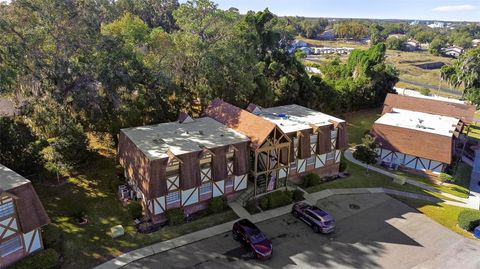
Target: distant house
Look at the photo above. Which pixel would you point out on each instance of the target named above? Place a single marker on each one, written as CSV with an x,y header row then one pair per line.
x,y
411,45
475,42
437,24
327,35
327,50
452,51
298,44
21,218
306,50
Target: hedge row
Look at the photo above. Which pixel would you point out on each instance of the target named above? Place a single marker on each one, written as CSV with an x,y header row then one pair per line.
x,y
469,219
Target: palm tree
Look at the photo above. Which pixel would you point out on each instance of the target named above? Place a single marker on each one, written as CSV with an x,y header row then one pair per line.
x,y
465,70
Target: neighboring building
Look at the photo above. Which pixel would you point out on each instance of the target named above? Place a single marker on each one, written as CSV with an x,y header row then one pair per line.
x,y
437,24
416,140
430,104
327,50
183,163
270,151
452,51
475,42
317,138
21,217
411,45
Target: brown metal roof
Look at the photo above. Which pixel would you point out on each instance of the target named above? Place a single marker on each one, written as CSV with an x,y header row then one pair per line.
x,y
460,111
413,142
254,127
31,214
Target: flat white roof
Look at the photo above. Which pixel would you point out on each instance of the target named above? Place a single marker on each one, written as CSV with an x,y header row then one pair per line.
x,y
419,121
292,118
10,179
180,138
413,93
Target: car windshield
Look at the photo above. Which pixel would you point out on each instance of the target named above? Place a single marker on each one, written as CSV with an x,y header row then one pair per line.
x,y
256,236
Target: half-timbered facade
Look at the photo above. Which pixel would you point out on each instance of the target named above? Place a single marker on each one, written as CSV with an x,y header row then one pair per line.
x,y
21,217
269,145
416,140
183,163
317,139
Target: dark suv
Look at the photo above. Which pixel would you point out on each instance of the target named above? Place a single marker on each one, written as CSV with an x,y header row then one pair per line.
x,y
319,220
249,234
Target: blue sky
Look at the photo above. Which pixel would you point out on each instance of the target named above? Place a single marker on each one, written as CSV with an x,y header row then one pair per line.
x,y
456,10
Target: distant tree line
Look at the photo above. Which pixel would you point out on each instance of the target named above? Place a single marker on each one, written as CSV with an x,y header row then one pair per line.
x,y
98,66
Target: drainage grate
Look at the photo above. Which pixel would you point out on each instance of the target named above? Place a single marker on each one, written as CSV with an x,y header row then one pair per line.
x,y
354,206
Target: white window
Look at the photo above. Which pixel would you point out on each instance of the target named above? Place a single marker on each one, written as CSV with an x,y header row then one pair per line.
x,y
311,160
333,134
10,246
173,197
293,166
331,155
6,209
205,188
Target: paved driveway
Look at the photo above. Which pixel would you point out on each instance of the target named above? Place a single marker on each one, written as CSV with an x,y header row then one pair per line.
x,y
373,231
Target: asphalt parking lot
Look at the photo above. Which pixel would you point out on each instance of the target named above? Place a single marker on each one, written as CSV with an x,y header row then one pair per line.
x,y
373,231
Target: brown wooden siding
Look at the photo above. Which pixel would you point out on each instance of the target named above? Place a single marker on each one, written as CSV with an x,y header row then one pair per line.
x,y
219,163
304,144
240,159
324,144
190,170
135,163
342,136
157,181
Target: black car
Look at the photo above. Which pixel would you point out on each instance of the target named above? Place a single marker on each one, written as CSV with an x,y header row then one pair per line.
x,y
319,220
249,234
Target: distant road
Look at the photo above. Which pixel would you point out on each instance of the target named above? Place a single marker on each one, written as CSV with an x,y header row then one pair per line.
x,y
433,88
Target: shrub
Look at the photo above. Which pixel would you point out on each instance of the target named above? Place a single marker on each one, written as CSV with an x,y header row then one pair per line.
x,y
425,91
217,205
45,259
264,202
444,177
251,207
77,211
280,198
297,195
343,165
311,180
469,219
135,210
175,216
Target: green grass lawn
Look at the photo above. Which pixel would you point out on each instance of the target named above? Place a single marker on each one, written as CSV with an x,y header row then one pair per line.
x,y
474,131
93,187
460,188
360,122
359,179
444,214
